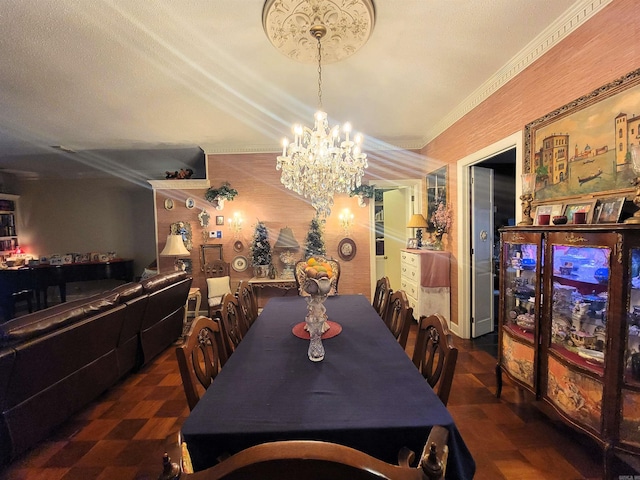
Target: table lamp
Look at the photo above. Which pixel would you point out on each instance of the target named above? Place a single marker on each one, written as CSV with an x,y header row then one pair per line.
x,y
287,243
418,221
175,248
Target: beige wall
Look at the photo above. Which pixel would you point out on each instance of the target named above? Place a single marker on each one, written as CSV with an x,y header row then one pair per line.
x,y
91,215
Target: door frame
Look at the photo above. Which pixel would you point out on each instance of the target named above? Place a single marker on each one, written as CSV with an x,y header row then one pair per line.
x,y
415,184
463,216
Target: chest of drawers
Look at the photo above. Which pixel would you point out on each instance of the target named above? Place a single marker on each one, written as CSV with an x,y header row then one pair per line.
x,y
426,280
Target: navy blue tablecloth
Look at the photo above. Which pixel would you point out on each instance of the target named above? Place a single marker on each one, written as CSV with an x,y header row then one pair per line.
x,y
366,393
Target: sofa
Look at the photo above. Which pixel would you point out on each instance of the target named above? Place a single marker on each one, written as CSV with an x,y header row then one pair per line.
x,y
55,361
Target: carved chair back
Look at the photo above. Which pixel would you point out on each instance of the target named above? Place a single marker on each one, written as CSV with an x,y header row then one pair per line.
x,y
398,316
381,296
312,460
200,357
435,355
233,323
248,302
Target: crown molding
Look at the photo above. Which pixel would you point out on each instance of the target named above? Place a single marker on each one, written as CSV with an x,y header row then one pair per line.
x,y
562,27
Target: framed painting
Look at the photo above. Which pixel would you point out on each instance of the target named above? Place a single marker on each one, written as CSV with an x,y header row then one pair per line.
x,y
609,210
580,212
553,210
583,149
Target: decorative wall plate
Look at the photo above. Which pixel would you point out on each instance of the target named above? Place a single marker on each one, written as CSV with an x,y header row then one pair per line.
x,y
168,203
238,246
240,263
190,203
347,249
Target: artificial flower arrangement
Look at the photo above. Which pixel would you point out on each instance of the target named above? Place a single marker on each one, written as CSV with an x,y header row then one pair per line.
x,y
442,219
225,192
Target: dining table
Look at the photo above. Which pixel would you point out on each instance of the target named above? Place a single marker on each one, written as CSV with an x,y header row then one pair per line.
x,y
366,393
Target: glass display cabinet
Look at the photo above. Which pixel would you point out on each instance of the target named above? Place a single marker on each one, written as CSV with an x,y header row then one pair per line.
x,y
520,296
570,326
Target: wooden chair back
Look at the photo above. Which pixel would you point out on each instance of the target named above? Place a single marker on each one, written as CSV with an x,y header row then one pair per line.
x,y
218,285
216,268
381,296
200,357
435,355
398,316
248,302
300,276
313,460
233,323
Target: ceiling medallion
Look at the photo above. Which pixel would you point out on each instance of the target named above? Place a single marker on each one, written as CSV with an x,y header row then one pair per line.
x,y
349,25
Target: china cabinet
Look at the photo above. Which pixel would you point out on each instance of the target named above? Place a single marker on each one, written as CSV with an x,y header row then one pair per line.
x,y
8,233
570,325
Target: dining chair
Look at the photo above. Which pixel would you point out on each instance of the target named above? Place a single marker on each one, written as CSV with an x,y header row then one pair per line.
x,y
248,302
233,323
218,285
300,275
435,355
398,316
381,296
200,357
310,460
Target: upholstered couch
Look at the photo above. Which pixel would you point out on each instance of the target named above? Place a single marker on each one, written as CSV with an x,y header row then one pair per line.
x,y
55,361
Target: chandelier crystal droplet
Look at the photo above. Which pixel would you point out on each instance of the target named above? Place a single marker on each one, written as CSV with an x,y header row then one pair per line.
x,y
319,163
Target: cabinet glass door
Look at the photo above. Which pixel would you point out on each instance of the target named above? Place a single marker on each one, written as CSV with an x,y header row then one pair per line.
x,y
579,304
521,273
632,354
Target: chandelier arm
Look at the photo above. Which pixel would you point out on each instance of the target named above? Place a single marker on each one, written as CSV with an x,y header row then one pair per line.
x,y
319,73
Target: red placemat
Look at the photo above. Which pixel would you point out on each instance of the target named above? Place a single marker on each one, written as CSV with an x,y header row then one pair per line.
x,y
334,329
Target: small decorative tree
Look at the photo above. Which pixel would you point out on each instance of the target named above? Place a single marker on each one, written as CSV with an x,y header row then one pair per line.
x,y
314,243
261,251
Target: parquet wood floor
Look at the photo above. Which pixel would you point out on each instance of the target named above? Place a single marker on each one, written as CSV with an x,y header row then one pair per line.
x,y
121,435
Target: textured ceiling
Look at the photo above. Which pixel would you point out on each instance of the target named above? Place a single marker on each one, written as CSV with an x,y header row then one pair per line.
x,y
150,84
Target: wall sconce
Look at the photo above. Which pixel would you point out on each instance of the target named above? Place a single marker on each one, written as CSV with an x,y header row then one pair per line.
x,y
346,221
235,224
418,222
175,248
528,187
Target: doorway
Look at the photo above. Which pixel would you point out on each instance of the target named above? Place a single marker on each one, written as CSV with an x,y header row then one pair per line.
x,y
394,202
503,158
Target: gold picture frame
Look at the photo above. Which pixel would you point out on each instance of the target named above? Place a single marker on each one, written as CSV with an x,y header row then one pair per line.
x,y
582,149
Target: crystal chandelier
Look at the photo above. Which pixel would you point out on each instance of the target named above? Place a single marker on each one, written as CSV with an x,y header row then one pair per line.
x,y
319,163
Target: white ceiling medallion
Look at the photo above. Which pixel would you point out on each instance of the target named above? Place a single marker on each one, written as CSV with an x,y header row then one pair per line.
x,y
349,25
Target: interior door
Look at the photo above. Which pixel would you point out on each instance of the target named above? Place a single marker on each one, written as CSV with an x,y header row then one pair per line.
x,y
395,232
481,251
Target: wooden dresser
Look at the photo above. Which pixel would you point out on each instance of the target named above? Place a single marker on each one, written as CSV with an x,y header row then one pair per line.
x,y
426,279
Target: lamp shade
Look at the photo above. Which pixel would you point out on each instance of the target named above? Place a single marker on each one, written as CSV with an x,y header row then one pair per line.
x,y
417,221
175,247
286,239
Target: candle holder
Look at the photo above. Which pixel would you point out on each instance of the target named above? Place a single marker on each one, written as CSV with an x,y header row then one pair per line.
x,y
528,186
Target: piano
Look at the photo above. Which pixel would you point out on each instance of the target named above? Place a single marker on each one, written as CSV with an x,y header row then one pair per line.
x,y
39,277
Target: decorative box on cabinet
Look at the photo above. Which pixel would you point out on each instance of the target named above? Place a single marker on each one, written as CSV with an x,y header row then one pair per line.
x,y
570,326
426,280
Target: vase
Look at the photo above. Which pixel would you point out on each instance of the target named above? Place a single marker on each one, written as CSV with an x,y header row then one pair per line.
x,y
437,242
316,319
261,271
